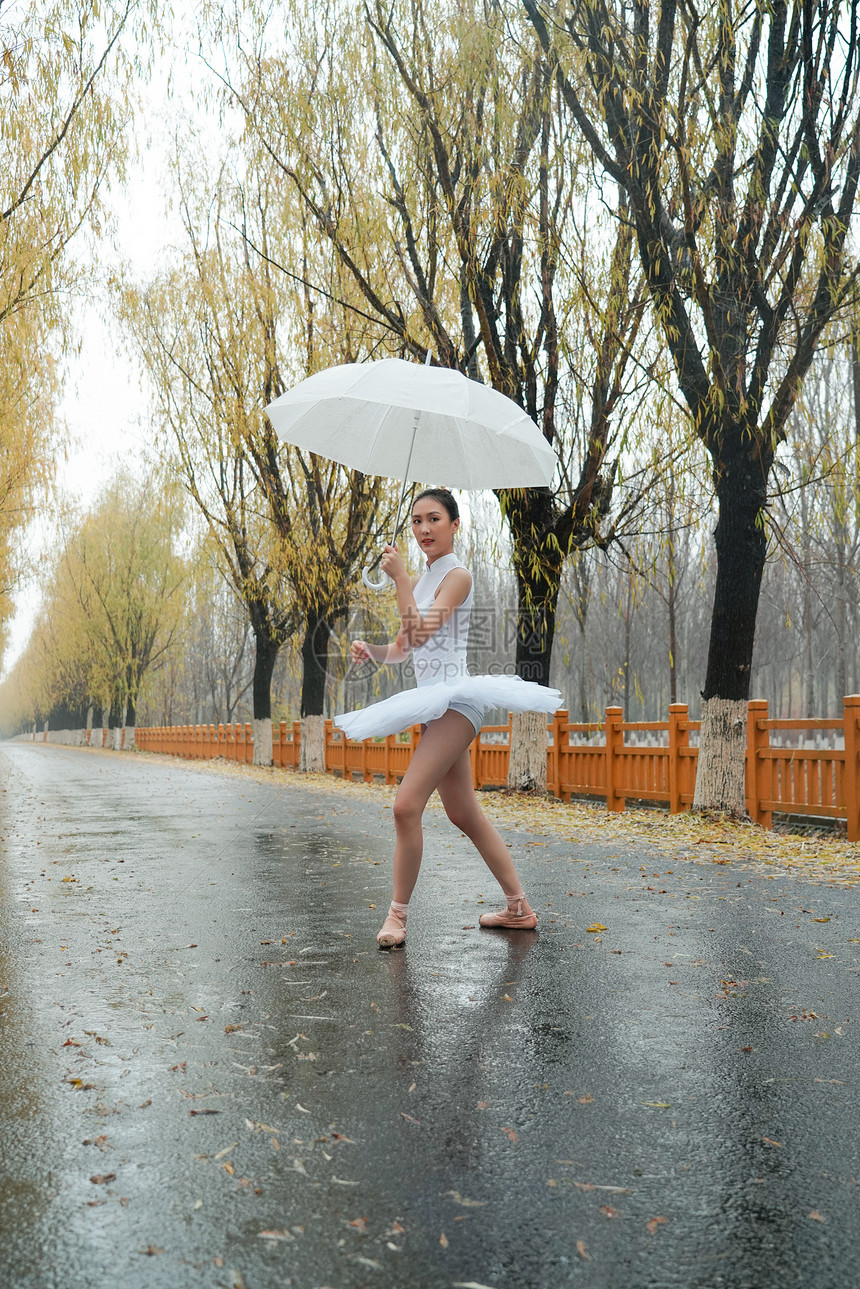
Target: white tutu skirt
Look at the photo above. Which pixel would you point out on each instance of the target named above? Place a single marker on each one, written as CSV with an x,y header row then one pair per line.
x,y
428,702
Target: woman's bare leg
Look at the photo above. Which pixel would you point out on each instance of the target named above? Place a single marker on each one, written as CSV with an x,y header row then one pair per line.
x,y
443,743
461,806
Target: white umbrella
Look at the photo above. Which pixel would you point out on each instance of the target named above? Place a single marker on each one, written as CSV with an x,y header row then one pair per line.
x,y
366,416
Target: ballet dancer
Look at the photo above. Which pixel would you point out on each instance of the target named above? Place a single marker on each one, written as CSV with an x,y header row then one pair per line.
x,y
449,704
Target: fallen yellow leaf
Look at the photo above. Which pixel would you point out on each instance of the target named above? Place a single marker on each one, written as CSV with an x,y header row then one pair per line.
x,y
595,926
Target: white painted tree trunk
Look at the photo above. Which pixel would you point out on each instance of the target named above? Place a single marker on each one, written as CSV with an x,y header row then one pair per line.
x,y
527,765
312,748
262,742
128,745
722,757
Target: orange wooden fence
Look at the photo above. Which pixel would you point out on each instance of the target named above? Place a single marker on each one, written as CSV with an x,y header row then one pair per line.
x,y
614,759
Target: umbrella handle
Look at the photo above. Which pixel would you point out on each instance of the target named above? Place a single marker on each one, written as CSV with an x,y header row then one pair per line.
x,y
368,580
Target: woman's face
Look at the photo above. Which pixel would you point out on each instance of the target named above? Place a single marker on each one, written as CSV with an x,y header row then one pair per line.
x,y
432,527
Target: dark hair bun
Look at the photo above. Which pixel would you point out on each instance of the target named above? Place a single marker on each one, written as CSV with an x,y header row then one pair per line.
x,y
445,496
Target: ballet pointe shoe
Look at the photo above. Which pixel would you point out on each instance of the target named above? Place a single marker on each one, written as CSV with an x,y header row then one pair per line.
x,y
393,931
516,916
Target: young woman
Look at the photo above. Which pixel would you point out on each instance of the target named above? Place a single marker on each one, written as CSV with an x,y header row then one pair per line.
x,y
449,703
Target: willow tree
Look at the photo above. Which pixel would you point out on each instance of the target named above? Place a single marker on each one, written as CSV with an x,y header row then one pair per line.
x,y
64,77
432,152
120,577
735,133
111,603
221,336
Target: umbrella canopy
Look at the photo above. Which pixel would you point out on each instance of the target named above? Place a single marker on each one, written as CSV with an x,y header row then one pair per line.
x,y
415,423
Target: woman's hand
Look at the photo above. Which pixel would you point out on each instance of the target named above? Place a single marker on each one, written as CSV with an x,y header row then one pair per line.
x,y
359,652
393,565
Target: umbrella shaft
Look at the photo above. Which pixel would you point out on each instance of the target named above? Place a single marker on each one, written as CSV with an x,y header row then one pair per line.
x,y
405,478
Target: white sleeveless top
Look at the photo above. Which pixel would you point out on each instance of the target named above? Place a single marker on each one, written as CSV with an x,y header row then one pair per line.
x,y
443,656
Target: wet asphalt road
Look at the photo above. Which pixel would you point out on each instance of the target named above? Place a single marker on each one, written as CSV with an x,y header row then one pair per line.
x,y
211,1077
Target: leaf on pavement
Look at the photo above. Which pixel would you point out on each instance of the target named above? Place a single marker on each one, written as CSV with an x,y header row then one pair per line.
x,y
592,1186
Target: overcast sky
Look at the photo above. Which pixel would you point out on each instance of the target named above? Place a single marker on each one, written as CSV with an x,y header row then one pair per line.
x,y
103,404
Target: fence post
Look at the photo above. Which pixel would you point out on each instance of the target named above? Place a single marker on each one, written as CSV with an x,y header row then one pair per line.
x,y
328,749
249,742
614,742
560,741
850,714
759,777
678,737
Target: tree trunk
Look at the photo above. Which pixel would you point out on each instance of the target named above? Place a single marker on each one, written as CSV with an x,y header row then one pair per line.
x,y
130,723
628,615
841,619
583,664
741,545
527,762
262,742
722,748
538,585
312,746
581,582
673,638
809,652
315,647
118,732
266,655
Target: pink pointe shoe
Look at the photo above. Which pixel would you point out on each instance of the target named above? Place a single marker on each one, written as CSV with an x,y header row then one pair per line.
x,y
516,916
393,932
